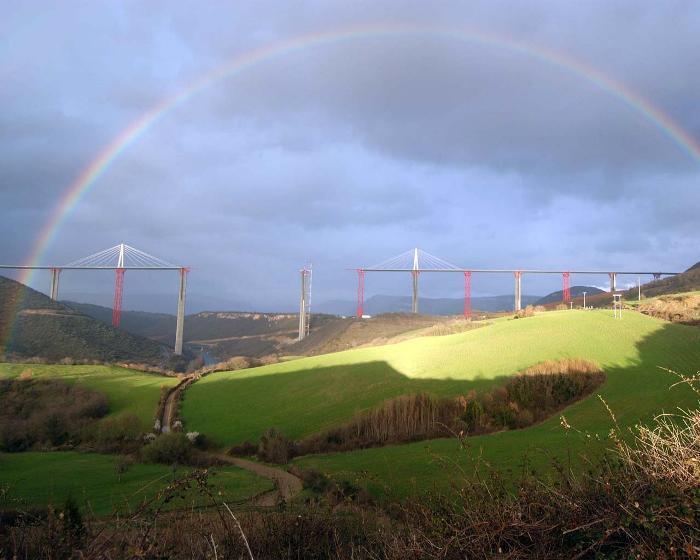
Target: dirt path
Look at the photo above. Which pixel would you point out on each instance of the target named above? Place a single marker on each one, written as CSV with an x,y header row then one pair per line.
x,y
287,484
171,402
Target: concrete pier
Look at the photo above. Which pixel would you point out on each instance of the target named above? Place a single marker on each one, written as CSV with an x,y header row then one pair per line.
x,y
303,306
613,281
55,277
414,301
518,290
180,327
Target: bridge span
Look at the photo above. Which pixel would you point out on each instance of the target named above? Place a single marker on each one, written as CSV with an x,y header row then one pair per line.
x,y
417,261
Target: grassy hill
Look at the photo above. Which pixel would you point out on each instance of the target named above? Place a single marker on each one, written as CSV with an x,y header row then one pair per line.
x,y
31,325
636,389
39,479
576,291
127,391
688,281
221,334
306,395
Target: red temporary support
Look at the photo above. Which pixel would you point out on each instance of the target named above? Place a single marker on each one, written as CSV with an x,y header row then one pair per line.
x,y
567,292
360,293
118,290
467,294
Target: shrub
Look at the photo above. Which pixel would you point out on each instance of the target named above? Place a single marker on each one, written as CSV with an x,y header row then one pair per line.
x,y
529,311
524,399
275,447
45,413
121,434
245,449
171,448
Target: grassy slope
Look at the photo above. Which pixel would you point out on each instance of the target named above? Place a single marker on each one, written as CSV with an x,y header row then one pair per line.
x,y
127,391
305,395
38,479
635,390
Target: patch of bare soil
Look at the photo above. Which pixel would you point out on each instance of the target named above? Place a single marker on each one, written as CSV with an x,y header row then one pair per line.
x,y
287,484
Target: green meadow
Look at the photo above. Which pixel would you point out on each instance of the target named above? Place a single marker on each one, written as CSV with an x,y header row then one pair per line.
x,y
636,389
127,391
308,394
92,481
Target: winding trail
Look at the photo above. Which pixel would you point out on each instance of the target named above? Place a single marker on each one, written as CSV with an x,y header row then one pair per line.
x,y
168,416
287,486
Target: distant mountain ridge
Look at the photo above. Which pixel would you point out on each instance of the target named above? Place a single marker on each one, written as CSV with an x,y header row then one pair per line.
x,y
379,304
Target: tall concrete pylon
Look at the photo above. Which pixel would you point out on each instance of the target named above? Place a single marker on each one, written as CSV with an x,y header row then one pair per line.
x,y
55,277
305,303
518,290
180,326
613,281
415,272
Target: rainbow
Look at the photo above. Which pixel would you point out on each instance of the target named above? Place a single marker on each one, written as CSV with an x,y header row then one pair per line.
x,y
89,177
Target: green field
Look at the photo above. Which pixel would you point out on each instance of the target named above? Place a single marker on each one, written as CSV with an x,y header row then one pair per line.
x,y
127,391
305,395
39,479
635,389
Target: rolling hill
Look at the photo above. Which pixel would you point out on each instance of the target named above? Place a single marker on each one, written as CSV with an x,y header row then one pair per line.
x,y
306,395
576,291
631,351
36,326
688,281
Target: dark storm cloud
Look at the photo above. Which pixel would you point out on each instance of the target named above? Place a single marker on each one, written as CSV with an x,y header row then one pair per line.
x,y
346,153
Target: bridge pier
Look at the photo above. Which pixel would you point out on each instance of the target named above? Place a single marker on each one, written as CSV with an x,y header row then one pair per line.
x,y
613,281
566,291
180,326
360,293
467,295
55,277
414,302
518,290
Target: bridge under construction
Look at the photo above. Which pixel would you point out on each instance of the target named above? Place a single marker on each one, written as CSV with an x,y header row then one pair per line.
x,y
416,262
120,258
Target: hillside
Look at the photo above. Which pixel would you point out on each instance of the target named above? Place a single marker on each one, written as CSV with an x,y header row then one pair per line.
x,y
306,395
379,304
576,291
221,335
631,352
688,281
344,334
35,326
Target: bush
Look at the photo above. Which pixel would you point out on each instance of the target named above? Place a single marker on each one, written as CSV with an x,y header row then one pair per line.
x,y
529,311
121,434
45,413
525,398
245,449
169,449
275,447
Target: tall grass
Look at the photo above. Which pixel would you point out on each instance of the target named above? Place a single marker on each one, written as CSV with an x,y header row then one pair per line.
x,y
524,399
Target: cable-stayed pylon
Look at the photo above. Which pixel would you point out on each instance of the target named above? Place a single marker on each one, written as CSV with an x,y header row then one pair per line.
x,y
121,258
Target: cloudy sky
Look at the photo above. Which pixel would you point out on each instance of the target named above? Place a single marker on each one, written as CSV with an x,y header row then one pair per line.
x,y
345,152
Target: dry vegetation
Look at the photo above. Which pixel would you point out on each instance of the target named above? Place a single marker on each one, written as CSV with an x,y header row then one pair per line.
x,y
40,413
640,500
678,308
524,399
